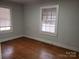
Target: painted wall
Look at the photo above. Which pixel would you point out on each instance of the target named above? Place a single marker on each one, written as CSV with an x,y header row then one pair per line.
x,y
68,29
0,52
16,18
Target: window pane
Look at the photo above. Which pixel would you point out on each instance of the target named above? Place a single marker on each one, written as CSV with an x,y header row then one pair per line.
x,y
4,22
5,28
44,18
52,29
48,28
49,16
53,17
43,27
5,19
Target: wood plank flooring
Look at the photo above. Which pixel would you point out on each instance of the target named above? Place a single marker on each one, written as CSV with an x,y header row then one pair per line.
x,y
26,48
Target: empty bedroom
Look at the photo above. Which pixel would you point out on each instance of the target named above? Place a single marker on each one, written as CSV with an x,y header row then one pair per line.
x,y
39,29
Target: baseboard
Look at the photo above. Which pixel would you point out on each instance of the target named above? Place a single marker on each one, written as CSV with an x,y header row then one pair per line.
x,y
60,44
0,52
11,38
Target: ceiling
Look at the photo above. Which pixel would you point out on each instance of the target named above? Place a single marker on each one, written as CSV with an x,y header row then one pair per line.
x,y
24,1
29,1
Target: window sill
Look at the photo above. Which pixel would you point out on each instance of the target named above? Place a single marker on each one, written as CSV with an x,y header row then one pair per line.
x,y
48,33
6,31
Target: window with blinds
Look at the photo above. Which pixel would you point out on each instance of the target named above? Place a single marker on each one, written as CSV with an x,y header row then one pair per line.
x,y
49,19
5,19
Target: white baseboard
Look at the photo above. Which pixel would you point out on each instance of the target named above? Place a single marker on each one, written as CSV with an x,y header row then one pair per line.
x,y
11,38
0,52
60,44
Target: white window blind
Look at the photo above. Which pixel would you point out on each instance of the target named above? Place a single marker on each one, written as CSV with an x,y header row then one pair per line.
x,y
49,19
5,19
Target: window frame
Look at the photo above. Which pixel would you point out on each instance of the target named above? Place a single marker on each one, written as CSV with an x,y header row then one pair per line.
x,y
45,7
11,26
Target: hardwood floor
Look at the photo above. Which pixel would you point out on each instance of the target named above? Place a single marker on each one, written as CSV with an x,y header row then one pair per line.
x,y
26,48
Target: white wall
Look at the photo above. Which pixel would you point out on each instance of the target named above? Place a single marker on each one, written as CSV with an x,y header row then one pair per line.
x,y
68,34
0,52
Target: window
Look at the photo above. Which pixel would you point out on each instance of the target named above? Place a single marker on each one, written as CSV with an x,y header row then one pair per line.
x,y
49,16
5,19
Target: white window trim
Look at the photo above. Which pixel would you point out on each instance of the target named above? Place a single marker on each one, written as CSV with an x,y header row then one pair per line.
x,y
48,33
11,30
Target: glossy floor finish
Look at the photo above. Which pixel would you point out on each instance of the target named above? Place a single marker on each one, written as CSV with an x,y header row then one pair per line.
x,y
26,48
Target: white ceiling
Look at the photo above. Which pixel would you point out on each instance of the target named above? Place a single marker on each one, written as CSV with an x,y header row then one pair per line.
x,y
28,1
23,1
